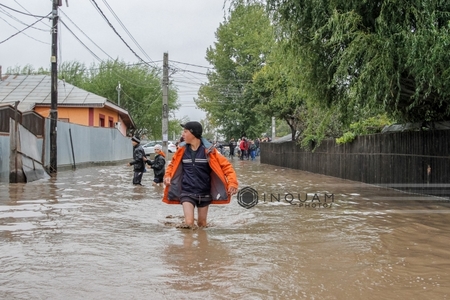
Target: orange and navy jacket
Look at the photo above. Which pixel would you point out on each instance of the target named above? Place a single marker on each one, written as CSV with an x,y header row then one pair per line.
x,y
222,176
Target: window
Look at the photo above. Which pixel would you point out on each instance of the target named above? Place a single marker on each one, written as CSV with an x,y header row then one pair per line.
x,y
102,120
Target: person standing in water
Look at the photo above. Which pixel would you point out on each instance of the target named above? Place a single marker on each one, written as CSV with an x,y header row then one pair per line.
x,y
138,162
198,176
158,165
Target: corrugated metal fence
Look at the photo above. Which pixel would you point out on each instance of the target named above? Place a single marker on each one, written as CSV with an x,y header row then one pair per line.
x,y
77,145
83,145
4,158
412,161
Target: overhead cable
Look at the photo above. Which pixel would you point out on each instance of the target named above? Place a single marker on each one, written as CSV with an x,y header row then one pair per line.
x,y
115,31
18,21
83,34
30,12
1,42
21,12
75,36
25,33
127,31
188,64
100,60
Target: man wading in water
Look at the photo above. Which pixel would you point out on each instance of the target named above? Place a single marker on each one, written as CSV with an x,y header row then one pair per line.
x,y
198,176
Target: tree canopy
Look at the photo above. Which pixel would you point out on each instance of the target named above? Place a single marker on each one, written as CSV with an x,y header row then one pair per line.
x,y
277,90
376,55
244,41
140,93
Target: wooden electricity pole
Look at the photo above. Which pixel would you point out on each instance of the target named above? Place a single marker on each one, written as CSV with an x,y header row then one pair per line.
x,y
165,106
54,89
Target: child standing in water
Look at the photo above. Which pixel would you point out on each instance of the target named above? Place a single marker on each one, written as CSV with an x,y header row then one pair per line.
x,y
158,165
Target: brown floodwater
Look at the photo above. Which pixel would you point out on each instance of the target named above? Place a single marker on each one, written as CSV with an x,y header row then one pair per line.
x,y
90,234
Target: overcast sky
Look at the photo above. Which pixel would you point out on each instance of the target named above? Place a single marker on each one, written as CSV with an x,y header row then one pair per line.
x,y
183,28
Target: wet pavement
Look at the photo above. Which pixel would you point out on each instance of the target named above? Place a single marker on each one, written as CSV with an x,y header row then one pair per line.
x,y
90,234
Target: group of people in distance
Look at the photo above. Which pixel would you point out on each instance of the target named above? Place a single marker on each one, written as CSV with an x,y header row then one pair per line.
x,y
140,161
197,176
244,148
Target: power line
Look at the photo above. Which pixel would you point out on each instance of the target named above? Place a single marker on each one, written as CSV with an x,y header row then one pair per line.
x,y
194,72
115,31
188,64
1,42
93,54
97,57
194,80
126,30
191,79
18,21
24,33
27,14
84,35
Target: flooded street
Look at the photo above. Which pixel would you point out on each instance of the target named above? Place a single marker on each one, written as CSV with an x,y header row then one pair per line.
x,y
90,234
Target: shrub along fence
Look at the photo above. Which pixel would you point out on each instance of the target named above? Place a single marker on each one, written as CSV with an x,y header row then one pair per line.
x,y
416,161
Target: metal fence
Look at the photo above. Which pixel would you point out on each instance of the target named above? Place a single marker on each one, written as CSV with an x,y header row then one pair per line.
x,y
82,145
77,146
4,158
416,161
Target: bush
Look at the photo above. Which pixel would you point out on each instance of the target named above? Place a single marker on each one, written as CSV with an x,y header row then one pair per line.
x,y
368,126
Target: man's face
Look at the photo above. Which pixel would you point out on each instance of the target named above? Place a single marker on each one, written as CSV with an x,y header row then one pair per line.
x,y
188,136
133,143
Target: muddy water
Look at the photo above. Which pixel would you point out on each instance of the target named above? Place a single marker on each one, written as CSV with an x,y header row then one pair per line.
x,y
89,234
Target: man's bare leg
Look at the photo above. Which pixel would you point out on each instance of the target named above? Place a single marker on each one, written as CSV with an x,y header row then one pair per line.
x,y
202,216
188,210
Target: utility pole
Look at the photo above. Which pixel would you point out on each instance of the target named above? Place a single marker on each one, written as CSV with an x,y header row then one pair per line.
x,y
118,88
54,89
165,106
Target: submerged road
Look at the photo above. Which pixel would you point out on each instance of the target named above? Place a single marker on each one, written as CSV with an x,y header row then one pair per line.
x,y
90,234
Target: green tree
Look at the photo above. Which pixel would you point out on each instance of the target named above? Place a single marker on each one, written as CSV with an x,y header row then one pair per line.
x,y
73,72
363,55
141,91
140,95
27,70
277,88
243,43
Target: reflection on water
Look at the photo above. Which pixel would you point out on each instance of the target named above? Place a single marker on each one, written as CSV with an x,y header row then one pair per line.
x,y
198,263
90,234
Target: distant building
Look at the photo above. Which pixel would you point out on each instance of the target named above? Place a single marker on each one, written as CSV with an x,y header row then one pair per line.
x,y
75,105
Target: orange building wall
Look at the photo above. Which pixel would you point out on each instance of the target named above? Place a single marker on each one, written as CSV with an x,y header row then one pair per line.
x,y
79,115
43,111
106,113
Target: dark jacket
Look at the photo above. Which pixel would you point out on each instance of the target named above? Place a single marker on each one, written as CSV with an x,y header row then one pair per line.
x,y
222,176
158,165
138,158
